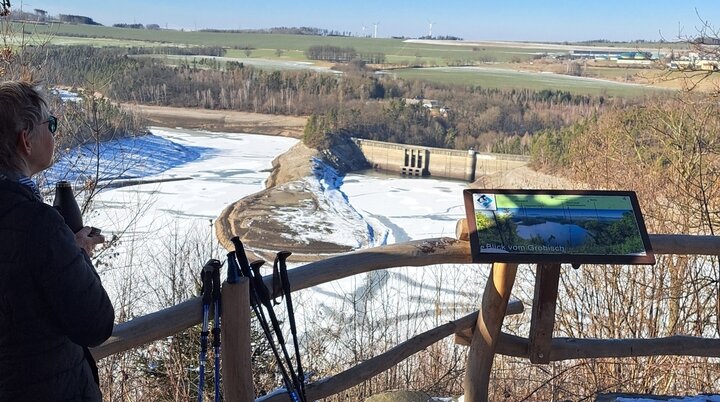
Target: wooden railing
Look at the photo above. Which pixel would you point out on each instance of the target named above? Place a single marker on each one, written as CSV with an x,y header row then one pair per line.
x,y
167,322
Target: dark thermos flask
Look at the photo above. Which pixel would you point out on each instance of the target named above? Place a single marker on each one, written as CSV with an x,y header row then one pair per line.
x,y
68,207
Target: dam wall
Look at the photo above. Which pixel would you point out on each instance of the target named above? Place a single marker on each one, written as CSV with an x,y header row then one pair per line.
x,y
426,161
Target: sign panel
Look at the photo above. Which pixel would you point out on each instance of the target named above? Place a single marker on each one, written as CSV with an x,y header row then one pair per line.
x,y
557,226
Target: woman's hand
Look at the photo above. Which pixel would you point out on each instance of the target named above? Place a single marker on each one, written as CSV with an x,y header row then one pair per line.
x,y
87,242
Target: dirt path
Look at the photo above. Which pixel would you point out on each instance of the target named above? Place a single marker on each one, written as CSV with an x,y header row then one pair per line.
x,y
220,120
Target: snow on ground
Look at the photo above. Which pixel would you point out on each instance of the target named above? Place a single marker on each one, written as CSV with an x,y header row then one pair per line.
x,y
387,307
411,208
126,158
213,170
209,171
398,209
333,219
216,169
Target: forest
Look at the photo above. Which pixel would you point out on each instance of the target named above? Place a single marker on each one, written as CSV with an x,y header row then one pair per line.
x,y
360,103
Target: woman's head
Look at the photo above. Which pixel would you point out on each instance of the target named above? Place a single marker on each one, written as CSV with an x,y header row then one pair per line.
x,y
26,143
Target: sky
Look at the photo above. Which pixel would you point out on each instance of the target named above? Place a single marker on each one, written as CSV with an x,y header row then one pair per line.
x,y
520,20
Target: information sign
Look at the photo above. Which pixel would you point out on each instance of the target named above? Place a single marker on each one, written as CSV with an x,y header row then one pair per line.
x,y
557,226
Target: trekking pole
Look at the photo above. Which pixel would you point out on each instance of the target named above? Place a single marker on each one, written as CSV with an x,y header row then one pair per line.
x,y
285,282
206,279
216,326
233,271
265,300
246,271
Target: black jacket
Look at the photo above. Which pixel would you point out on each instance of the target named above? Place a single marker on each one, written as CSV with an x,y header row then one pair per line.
x,y
52,304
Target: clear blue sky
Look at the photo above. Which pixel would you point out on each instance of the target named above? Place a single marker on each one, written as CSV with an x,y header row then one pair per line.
x,y
527,20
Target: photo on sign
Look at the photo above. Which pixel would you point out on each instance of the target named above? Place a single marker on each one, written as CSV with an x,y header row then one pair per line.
x,y
557,224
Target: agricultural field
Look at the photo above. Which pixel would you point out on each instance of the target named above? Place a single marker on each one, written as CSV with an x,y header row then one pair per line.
x,y
397,48
490,77
262,63
266,45
493,64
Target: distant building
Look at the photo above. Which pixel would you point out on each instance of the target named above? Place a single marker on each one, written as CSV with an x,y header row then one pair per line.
x,y
694,61
611,55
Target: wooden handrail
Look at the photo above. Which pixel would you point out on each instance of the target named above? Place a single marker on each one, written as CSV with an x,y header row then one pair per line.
x,y
574,348
151,327
376,365
169,321
685,244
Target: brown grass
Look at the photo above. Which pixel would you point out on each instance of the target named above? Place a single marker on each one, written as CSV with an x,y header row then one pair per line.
x,y
221,120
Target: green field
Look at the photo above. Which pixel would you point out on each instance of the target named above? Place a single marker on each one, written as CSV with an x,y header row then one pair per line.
x,y
395,49
280,51
265,45
510,79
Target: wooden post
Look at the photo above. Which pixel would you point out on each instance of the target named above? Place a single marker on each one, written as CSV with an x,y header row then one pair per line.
x,y
542,321
236,352
487,331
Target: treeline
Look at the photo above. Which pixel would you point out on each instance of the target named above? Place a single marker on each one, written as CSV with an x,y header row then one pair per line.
x,y
372,57
93,120
357,102
77,19
284,31
441,37
486,120
393,121
216,51
137,26
331,53
89,119
661,149
131,26
342,54
667,152
42,16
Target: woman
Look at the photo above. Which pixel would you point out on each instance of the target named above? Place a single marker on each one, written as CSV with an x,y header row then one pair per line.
x,y
52,304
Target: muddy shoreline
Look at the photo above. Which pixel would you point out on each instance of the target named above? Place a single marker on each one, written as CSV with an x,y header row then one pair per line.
x,y
228,121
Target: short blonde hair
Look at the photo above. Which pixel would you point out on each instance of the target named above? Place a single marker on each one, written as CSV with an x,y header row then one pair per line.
x,y
22,107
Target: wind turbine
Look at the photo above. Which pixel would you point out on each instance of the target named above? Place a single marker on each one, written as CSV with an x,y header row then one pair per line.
x,y
363,30
430,30
375,32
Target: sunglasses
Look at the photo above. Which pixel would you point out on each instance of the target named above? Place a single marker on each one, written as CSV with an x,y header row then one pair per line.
x,y
52,124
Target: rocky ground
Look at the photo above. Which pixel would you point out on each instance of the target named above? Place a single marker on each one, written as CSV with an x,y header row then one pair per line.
x,y
256,221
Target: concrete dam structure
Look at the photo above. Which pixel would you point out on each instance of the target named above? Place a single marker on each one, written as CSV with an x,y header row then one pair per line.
x,y
426,161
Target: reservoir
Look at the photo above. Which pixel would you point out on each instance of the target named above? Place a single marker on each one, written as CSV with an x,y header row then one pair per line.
x,y
554,234
163,223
